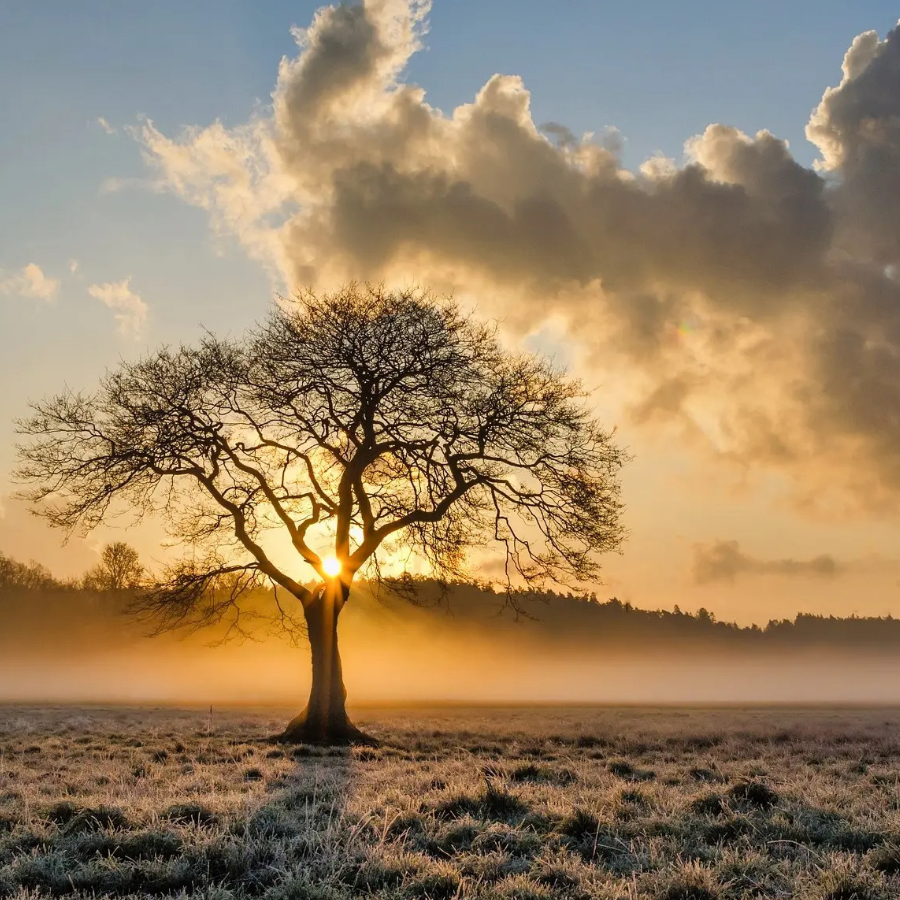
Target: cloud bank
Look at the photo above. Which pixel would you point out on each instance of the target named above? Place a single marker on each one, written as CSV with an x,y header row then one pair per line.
x,y
736,298
724,561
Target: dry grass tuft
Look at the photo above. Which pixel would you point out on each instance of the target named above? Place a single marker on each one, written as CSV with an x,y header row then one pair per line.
x,y
455,804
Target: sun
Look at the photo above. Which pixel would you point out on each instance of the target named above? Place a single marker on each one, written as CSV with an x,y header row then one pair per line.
x,y
331,565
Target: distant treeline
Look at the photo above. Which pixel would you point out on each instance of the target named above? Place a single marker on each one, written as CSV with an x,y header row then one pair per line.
x,y
585,619
35,605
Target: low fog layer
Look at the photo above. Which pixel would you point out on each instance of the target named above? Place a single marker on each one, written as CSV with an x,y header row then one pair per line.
x,y
78,646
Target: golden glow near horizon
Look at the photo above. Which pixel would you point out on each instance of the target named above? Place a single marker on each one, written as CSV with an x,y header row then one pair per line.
x,y
331,566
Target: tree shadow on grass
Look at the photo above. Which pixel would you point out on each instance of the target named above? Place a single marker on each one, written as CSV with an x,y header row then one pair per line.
x,y
249,821
136,812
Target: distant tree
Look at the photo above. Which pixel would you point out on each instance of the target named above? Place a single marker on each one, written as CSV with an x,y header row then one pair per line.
x,y
119,569
371,423
27,576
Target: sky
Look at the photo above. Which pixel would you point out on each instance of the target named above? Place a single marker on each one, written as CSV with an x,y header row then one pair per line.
x,y
660,195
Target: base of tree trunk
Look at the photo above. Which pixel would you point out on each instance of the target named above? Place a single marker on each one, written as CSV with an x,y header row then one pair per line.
x,y
325,734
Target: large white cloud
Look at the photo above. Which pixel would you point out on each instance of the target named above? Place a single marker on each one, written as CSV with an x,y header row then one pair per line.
x,y
857,130
740,297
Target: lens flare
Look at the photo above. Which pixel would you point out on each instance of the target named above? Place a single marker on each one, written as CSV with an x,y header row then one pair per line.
x,y
331,565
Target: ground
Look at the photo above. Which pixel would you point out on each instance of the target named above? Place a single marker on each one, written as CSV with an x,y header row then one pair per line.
x,y
672,804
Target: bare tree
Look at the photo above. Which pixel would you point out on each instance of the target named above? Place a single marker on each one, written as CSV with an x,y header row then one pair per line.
x,y
119,569
375,425
28,576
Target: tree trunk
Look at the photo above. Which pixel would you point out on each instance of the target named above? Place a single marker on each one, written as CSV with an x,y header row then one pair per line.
x,y
324,720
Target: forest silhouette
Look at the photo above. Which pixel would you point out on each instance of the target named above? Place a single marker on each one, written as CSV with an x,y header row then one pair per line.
x,y
38,610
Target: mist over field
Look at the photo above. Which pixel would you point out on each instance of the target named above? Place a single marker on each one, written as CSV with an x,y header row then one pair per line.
x,y
82,647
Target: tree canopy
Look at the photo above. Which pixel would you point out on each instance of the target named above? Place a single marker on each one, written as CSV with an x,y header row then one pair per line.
x,y
119,569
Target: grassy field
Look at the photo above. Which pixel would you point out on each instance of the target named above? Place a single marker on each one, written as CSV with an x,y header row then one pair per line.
x,y
510,803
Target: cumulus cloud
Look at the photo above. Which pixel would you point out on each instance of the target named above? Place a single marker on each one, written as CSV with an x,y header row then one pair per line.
x,y
857,130
129,310
724,561
739,297
29,281
109,129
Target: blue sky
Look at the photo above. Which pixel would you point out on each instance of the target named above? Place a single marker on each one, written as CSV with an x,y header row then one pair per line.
x,y
659,72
